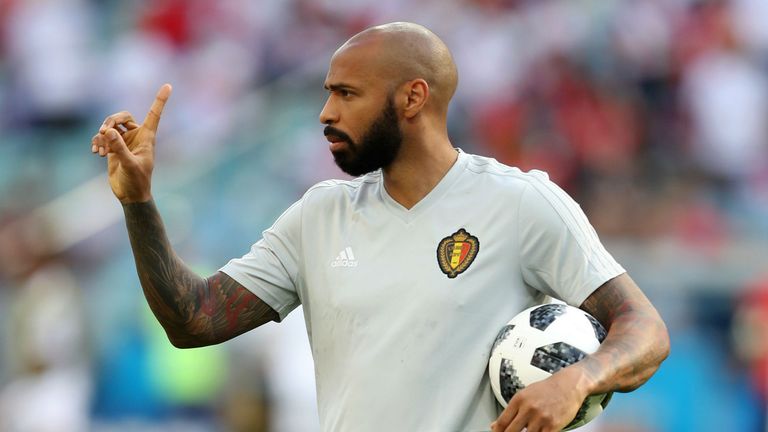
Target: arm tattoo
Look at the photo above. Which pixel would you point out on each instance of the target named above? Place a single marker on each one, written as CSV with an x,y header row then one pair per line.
x,y
637,340
194,311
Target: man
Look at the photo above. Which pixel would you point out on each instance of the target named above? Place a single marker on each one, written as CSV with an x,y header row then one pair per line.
x,y
405,274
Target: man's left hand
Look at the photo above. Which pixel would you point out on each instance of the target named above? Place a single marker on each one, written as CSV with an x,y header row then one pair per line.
x,y
545,406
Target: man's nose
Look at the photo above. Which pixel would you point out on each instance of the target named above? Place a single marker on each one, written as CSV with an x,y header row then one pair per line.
x,y
328,115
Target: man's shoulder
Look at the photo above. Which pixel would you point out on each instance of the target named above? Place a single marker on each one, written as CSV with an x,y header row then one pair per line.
x,y
489,167
333,189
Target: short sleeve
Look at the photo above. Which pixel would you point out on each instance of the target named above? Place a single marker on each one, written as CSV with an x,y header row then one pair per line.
x,y
270,269
560,252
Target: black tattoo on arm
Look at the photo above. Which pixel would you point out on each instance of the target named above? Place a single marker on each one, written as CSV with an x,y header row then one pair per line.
x,y
194,311
637,340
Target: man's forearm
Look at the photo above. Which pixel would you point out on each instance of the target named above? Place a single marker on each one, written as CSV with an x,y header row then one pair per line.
x,y
637,340
194,311
169,285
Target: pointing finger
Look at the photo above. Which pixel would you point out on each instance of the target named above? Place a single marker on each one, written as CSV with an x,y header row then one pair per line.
x,y
153,116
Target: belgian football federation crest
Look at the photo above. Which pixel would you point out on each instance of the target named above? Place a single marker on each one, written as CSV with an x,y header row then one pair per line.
x,y
456,252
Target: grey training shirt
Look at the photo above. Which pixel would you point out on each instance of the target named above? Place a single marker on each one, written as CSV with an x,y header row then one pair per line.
x,y
402,305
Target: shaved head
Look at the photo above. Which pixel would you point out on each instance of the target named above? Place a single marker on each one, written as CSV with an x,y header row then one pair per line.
x,y
388,90
399,52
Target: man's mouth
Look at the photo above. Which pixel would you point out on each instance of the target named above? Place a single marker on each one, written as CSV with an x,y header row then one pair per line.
x,y
336,143
338,140
334,138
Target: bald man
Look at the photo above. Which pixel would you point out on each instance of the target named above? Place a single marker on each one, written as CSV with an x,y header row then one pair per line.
x,y
406,273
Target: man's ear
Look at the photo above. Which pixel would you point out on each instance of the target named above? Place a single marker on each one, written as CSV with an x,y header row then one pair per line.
x,y
417,93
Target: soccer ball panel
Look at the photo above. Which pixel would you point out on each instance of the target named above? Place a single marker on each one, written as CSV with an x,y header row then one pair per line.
x,y
541,317
590,409
538,342
553,357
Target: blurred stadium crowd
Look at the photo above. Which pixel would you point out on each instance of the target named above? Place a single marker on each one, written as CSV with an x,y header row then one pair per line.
x,y
653,114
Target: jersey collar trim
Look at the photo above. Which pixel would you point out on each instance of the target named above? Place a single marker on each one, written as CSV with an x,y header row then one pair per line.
x,y
408,215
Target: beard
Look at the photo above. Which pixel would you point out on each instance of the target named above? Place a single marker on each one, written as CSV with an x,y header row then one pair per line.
x,y
376,149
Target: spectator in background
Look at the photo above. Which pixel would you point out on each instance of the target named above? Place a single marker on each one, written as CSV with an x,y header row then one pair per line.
x,y
750,335
50,386
50,57
726,95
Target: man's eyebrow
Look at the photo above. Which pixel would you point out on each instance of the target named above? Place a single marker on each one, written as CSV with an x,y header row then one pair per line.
x,y
337,87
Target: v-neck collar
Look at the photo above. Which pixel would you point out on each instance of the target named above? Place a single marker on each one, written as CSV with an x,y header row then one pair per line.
x,y
408,215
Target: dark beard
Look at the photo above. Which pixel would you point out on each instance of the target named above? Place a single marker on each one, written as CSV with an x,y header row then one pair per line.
x,y
376,149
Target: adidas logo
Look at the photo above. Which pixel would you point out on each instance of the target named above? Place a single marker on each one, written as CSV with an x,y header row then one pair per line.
x,y
345,259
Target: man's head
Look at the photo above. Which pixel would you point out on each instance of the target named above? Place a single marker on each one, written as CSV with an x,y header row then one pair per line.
x,y
387,84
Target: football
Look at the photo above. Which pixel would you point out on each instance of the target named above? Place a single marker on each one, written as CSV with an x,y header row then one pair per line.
x,y
538,342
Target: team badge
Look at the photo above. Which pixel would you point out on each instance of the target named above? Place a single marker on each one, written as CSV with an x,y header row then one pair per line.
x,y
456,252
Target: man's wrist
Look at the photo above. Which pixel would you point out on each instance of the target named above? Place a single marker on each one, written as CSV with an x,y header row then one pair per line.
x,y
584,383
136,200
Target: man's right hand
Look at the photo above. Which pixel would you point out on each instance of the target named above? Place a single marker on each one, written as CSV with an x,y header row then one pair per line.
x,y
130,150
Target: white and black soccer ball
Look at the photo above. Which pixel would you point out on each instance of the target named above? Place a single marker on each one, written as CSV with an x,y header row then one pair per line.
x,y
538,342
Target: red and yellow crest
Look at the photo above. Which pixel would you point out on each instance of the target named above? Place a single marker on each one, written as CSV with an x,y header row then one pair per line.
x,y
456,252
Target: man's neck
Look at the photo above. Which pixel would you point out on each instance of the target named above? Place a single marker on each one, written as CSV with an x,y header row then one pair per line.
x,y
417,170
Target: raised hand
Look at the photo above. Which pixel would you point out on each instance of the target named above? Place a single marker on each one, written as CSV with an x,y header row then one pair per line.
x,y
130,150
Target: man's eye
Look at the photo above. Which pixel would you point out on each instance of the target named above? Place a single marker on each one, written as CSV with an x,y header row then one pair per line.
x,y
344,93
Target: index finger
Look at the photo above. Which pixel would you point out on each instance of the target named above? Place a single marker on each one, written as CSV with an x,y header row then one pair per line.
x,y
507,416
153,116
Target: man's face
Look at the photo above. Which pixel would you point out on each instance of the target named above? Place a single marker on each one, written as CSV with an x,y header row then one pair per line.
x,y
377,148
360,117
